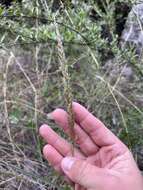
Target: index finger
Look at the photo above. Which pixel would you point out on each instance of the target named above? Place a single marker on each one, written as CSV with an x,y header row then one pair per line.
x,y
100,134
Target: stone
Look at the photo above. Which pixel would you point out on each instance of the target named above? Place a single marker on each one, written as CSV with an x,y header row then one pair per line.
x,y
133,32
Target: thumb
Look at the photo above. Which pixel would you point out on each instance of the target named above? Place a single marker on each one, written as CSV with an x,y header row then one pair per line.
x,y
83,173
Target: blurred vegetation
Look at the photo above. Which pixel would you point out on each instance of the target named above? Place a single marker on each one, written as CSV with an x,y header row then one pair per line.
x,y
91,33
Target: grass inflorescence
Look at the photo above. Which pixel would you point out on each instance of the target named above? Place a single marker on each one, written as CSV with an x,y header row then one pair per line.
x,y
68,96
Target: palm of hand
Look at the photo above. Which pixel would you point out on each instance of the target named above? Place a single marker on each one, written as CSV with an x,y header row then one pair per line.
x,y
116,162
97,146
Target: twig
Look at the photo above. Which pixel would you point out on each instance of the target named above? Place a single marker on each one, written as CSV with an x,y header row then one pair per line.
x,y
48,21
37,48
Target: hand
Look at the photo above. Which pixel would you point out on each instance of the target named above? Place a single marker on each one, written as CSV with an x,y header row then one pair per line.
x,y
102,161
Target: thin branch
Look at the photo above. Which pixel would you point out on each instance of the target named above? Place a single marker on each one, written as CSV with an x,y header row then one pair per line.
x,y
48,21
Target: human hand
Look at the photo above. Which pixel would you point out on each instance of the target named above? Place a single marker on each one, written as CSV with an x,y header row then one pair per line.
x,y
102,161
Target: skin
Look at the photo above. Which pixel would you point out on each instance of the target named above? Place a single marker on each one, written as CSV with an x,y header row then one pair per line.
x,y
101,161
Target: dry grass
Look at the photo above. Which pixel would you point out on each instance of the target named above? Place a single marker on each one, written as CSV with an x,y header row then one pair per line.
x,y
23,107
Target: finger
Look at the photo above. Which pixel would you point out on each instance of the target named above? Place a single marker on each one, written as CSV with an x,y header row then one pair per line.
x,y
93,126
60,144
54,158
82,139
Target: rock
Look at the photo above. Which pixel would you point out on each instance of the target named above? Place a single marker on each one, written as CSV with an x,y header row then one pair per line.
x,y
127,72
114,70
133,32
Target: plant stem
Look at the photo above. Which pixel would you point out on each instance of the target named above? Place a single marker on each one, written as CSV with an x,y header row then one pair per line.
x,y
67,86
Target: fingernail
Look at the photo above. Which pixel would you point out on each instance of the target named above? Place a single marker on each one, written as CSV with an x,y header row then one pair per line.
x,y
49,116
67,163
